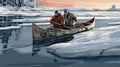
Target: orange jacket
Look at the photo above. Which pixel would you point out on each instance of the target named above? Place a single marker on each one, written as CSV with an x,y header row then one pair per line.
x,y
57,21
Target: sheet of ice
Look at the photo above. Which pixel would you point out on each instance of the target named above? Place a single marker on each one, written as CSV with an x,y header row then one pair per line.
x,y
97,13
1,49
86,36
24,50
31,20
99,18
47,13
111,13
28,50
113,62
44,53
4,10
25,8
10,8
114,23
109,28
98,42
10,27
25,13
89,50
115,50
38,8
29,24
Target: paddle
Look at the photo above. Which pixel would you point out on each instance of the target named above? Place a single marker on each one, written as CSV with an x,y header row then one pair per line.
x,y
83,26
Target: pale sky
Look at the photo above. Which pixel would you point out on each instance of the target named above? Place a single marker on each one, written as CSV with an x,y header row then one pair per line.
x,y
90,4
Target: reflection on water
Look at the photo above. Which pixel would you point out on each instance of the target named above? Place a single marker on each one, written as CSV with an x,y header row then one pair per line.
x,y
6,34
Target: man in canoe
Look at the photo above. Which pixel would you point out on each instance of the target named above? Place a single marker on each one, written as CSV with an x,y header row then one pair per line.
x,y
57,20
69,18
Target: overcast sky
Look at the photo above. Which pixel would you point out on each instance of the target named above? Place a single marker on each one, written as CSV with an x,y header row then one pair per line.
x,y
90,4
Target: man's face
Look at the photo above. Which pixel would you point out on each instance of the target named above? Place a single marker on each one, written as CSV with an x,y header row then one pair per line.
x,y
55,14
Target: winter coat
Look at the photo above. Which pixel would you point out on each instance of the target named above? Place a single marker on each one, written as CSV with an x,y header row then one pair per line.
x,y
69,19
57,21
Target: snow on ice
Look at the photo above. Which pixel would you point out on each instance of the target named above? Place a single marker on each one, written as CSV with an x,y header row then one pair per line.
x,y
10,27
98,42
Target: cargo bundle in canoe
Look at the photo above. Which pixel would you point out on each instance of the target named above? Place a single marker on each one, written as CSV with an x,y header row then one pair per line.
x,y
54,35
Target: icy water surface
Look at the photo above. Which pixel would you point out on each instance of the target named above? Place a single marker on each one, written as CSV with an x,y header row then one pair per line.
x,y
19,43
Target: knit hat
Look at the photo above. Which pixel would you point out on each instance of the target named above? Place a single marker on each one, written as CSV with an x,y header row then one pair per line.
x,y
56,11
65,10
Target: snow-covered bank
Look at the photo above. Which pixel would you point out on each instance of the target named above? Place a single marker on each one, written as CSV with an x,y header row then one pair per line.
x,y
99,42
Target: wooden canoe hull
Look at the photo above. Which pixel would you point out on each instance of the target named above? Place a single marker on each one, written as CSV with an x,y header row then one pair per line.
x,y
39,33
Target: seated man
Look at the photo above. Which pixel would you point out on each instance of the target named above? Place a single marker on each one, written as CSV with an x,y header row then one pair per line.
x,y
57,20
69,19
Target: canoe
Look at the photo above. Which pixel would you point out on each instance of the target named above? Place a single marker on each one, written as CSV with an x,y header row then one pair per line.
x,y
49,36
79,27
39,33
